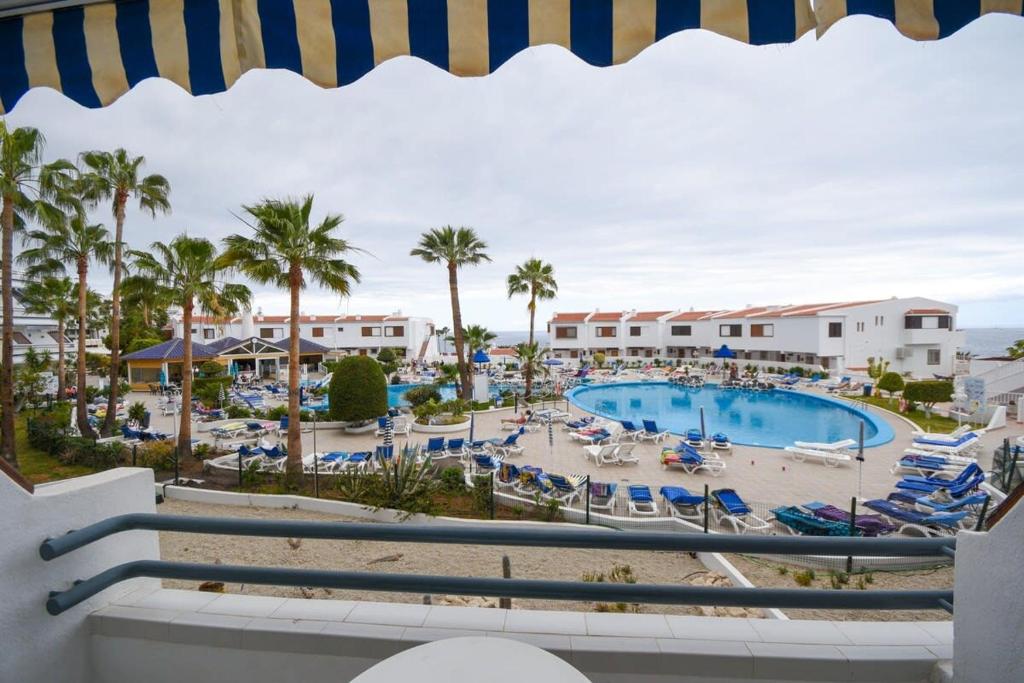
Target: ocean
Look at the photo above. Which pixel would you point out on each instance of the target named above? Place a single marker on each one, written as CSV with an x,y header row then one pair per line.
x,y
981,341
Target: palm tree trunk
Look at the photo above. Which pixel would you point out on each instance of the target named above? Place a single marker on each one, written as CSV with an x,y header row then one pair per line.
x,y
460,351
529,366
7,356
185,427
294,462
115,319
81,413
61,378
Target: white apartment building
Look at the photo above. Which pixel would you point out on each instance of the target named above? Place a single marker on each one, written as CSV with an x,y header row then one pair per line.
x,y
917,335
407,336
39,332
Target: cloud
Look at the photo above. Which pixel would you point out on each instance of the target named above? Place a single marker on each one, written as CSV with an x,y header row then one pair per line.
x,y
703,173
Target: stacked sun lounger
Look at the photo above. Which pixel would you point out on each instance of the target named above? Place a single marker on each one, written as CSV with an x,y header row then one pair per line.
x,y
803,523
927,524
869,525
831,454
691,462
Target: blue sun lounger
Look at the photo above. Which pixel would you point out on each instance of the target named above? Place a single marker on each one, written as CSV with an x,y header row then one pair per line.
x,y
936,524
969,479
641,502
806,524
734,510
683,504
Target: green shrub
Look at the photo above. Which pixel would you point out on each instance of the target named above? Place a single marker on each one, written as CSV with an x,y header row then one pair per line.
x,y
798,371
86,452
208,389
891,382
277,412
417,396
236,412
156,455
48,431
212,368
452,480
482,498
359,390
928,392
202,451
137,411
804,578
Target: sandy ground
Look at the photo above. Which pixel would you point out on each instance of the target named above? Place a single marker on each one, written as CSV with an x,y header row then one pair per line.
x,y
452,560
765,573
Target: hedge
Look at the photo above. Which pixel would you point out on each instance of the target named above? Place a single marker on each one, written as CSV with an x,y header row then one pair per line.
x,y
359,390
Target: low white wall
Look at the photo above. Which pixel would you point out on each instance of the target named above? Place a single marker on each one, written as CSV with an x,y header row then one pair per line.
x,y
37,646
988,620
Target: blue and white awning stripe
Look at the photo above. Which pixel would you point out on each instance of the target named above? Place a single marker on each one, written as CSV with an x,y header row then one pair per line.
x,y
917,19
96,52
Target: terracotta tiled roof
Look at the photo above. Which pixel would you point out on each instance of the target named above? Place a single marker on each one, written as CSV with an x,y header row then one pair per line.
x,y
606,317
502,351
808,310
213,320
361,319
742,313
927,311
647,316
569,317
272,319
692,315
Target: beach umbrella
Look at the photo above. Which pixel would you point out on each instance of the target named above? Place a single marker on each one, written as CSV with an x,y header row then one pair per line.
x,y
481,357
472,423
552,361
551,437
163,378
703,432
724,352
220,395
389,431
860,459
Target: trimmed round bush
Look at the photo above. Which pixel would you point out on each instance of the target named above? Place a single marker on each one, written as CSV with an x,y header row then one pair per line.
x,y
359,390
891,382
417,396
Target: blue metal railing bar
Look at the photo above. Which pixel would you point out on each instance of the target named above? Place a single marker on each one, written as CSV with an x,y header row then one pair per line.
x,y
513,588
512,536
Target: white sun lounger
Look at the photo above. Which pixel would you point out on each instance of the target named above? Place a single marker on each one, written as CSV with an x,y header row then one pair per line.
x,y
827,458
601,454
830,446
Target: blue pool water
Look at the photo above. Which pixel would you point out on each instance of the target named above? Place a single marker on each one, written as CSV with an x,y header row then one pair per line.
x,y
395,392
773,419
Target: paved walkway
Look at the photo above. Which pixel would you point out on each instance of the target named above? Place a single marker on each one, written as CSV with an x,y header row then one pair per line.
x,y
759,474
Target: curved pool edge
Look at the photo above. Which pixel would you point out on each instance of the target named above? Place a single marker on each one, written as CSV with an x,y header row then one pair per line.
x,y
884,431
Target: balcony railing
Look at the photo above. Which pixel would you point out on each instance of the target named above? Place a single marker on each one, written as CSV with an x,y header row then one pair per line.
x,y
60,601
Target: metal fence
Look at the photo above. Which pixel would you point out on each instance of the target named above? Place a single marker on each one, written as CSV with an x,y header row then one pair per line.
x,y
509,501
1007,466
561,537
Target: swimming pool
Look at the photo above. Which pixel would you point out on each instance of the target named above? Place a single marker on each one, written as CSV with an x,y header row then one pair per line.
x,y
772,419
395,392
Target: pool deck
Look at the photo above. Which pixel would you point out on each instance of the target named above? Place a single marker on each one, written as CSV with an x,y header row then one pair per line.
x,y
763,475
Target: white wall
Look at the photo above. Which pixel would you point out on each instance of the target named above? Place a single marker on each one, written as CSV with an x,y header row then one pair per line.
x,y
988,621
37,646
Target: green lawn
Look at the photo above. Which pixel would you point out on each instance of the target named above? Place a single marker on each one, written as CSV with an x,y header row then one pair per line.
x,y
36,465
935,423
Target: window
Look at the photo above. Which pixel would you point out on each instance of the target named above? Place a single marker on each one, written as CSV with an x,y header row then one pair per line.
x,y
636,331
195,330
762,330
681,330
945,322
208,333
879,320
835,330
341,329
607,331
912,322
614,353
860,327
730,330
934,356
763,355
318,331
371,331
565,333
266,333
394,331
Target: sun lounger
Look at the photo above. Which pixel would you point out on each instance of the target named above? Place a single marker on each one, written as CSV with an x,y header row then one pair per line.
x,y
630,430
842,445
936,524
567,488
435,448
694,438
690,460
731,509
602,454
943,436
970,503
963,444
602,496
507,476
869,525
641,502
624,454
486,464
926,464
796,521
826,458
509,447
720,442
456,448
581,423
652,433
683,504
966,480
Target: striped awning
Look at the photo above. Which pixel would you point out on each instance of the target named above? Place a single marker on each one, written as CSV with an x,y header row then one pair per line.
x,y
917,19
94,50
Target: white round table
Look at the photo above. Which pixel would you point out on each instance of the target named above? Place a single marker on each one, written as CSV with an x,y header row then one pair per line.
x,y
453,660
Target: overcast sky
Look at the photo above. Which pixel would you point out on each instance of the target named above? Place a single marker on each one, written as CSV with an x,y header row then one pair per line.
x,y
705,173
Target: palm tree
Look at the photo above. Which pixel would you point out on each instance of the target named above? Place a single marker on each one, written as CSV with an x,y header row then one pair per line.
x,y
454,248
24,185
54,297
71,240
287,251
531,358
189,269
145,294
477,337
115,176
537,279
